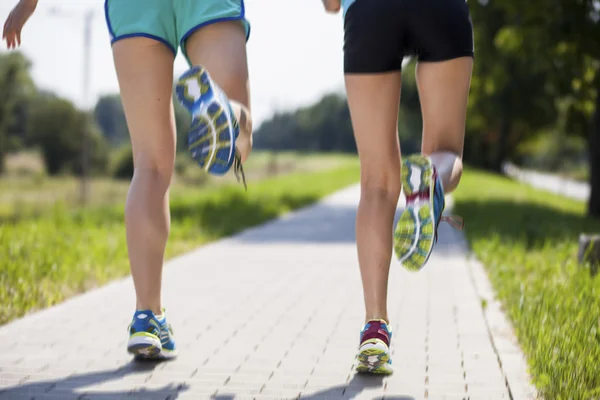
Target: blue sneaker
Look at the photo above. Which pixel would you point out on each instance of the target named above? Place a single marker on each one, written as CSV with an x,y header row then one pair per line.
x,y
151,337
214,130
416,231
374,350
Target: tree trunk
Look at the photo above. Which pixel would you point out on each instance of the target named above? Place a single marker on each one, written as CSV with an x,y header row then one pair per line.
x,y
594,201
1,157
500,149
3,145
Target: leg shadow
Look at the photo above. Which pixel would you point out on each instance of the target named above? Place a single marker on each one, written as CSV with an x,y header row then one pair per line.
x,y
358,384
72,387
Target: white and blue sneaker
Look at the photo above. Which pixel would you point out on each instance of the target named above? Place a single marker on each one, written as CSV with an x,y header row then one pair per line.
x,y
150,336
215,128
417,230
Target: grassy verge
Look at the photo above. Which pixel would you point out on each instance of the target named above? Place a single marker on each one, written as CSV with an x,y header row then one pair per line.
x,y
45,259
25,191
581,174
528,240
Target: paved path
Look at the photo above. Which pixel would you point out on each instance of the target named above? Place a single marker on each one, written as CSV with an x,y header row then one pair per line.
x,y
279,318
550,182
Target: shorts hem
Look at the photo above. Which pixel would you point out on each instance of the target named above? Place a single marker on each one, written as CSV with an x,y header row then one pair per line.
x,y
148,36
366,71
447,58
106,16
241,17
372,72
214,21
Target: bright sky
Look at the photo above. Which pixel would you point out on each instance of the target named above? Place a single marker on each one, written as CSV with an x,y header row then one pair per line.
x,y
295,51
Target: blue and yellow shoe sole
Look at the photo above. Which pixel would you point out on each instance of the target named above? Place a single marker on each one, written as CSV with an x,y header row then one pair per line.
x,y
143,345
374,361
211,139
415,232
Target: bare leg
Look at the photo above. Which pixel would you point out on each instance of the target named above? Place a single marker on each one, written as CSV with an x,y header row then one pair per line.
x,y
374,100
444,90
221,49
145,72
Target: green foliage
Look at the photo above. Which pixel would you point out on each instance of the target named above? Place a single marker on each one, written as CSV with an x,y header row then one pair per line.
x,y
324,126
528,241
536,70
39,267
57,127
560,154
410,124
16,87
110,118
183,121
122,167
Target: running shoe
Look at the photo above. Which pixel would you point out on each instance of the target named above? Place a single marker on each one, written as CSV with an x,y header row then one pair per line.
x,y
150,336
374,351
416,231
214,130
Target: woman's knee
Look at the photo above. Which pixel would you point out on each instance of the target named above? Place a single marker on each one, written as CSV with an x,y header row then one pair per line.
x,y
156,167
381,184
443,140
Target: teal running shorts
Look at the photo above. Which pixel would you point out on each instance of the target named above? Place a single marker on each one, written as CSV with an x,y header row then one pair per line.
x,y
169,21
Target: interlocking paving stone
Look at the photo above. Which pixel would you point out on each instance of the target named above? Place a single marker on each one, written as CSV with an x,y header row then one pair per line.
x,y
271,313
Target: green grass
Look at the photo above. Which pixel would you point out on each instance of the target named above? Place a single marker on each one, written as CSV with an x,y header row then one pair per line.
x,y
581,173
46,258
528,241
33,193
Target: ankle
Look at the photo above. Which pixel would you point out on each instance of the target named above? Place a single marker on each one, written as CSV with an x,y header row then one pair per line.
x,y
156,310
377,317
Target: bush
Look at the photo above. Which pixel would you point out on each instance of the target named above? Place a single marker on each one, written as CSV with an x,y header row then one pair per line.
x,y
57,127
122,167
25,163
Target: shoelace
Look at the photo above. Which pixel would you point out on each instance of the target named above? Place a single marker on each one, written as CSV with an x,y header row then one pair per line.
x,y
238,169
455,221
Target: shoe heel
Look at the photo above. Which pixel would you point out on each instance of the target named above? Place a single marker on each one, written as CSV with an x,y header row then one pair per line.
x,y
144,347
416,174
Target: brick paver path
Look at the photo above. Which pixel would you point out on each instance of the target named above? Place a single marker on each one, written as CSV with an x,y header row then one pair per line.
x,y
274,312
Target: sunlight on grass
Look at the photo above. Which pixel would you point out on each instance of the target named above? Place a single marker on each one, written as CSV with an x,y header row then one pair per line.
x,y
528,241
47,257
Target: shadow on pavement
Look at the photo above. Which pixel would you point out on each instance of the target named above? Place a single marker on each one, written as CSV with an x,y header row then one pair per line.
x,y
348,391
73,387
355,387
319,224
326,224
222,216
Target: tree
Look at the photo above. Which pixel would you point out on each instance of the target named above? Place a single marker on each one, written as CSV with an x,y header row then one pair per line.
x,y
410,123
183,121
110,118
594,140
323,126
536,71
57,127
16,89
509,100
123,164
564,36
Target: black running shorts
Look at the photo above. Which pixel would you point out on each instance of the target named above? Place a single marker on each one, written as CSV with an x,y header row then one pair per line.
x,y
378,34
